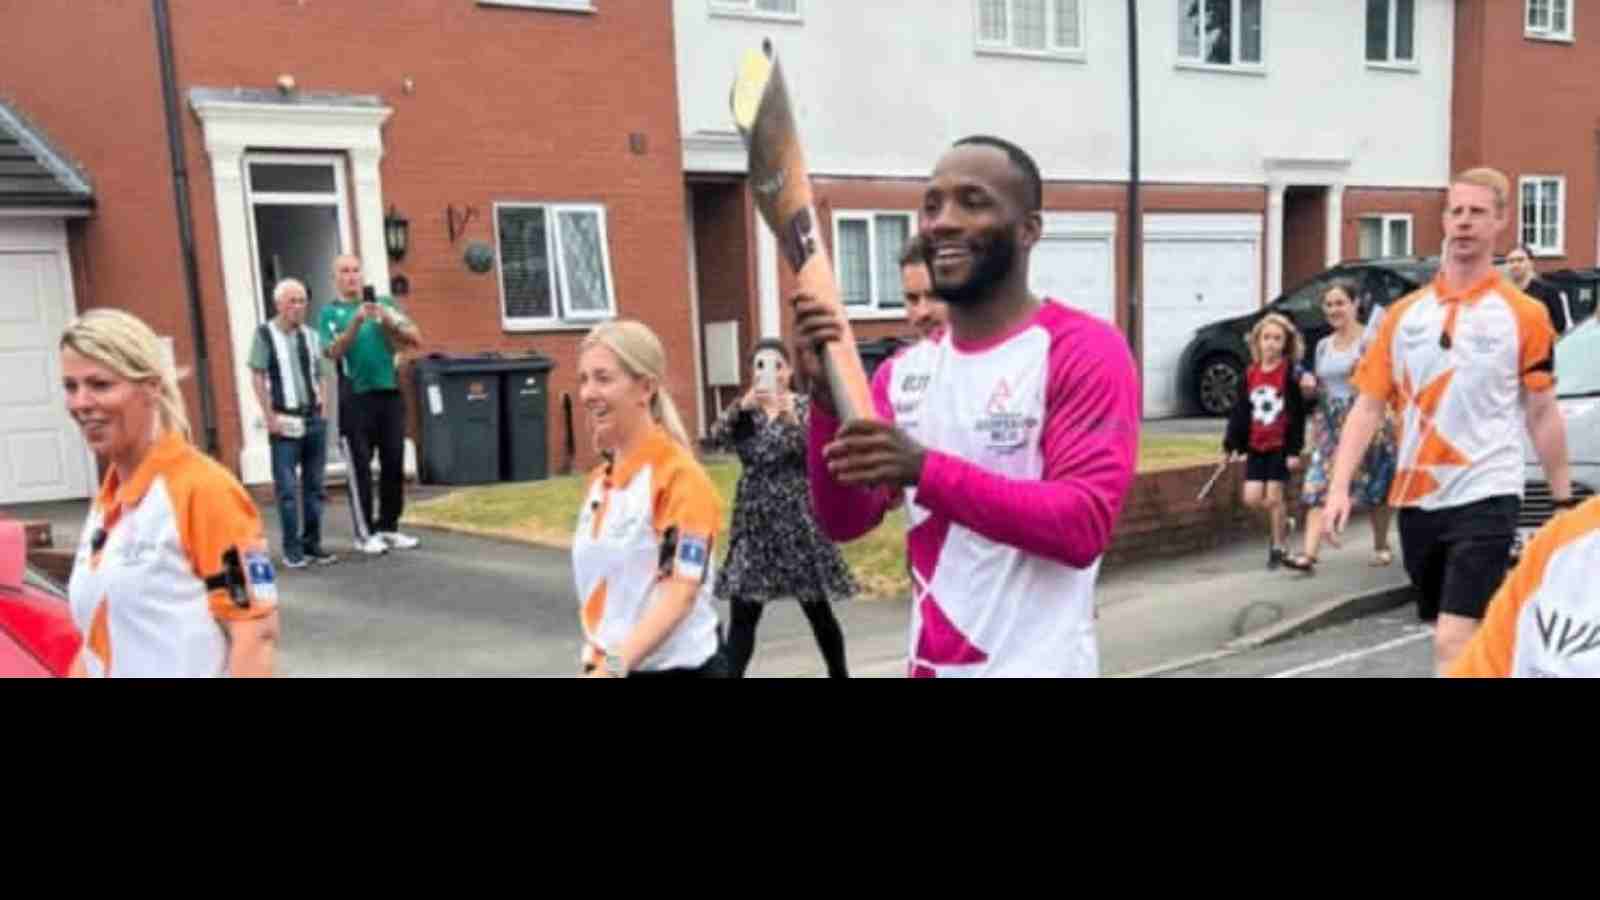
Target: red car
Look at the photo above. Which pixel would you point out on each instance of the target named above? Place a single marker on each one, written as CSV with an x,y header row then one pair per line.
x,y
37,637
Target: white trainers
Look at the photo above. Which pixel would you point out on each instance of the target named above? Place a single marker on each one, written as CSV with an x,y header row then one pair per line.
x,y
372,546
397,540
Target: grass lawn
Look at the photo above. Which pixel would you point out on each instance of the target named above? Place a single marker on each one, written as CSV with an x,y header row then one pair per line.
x,y
546,511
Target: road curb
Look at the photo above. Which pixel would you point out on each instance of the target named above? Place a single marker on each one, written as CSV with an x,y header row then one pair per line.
x,y
1328,613
486,533
1323,615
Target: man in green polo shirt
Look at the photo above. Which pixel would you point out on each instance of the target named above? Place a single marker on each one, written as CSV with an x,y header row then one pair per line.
x,y
362,335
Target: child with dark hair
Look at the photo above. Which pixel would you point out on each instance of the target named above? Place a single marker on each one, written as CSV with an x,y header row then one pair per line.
x,y
1268,425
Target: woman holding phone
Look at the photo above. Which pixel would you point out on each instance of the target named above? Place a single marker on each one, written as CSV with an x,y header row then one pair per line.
x,y
775,550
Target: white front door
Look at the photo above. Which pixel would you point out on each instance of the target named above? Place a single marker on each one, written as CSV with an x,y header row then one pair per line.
x,y
299,222
1074,262
42,454
1198,269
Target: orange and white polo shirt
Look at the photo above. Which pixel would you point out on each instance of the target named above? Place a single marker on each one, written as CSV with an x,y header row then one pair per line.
x,y
139,586
1545,619
651,516
1454,363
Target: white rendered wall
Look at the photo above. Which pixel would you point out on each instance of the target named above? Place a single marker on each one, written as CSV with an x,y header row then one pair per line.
x,y
1316,98
882,86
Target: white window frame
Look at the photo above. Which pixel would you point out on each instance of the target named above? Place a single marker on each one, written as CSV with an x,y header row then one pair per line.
x,y
1545,32
1390,61
577,6
1008,46
1557,249
1244,68
339,198
875,308
747,9
1385,220
560,319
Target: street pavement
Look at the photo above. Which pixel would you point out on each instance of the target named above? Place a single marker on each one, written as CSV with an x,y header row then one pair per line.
x,y
1386,645
464,605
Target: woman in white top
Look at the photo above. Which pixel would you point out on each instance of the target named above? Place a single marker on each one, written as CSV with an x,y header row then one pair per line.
x,y
1337,356
172,576
642,555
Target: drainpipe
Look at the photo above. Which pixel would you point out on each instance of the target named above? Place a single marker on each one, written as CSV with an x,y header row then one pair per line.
x,y
1135,221
180,190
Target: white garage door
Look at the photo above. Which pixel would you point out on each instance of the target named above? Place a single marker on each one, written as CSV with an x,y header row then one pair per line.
x,y
1073,262
1198,268
42,455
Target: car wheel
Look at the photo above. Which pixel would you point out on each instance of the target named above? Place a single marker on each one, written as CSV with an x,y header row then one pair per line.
x,y
1217,384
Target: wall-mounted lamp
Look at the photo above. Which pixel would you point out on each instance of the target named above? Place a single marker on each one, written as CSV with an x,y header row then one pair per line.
x,y
456,222
396,234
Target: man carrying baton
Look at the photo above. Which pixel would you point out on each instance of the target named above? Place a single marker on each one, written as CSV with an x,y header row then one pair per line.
x,y
1013,435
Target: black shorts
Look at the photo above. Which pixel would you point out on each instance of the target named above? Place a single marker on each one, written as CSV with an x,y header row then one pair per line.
x,y
1458,556
1270,466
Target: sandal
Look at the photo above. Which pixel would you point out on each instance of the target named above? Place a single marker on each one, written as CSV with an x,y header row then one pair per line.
x,y
1302,563
1382,557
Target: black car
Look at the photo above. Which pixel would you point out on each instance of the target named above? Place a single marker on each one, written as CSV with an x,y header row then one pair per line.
x,y
1213,365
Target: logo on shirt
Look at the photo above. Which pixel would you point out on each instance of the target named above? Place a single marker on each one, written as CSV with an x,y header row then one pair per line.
x,y
623,519
909,398
999,398
134,550
1002,428
1564,636
1482,341
1266,404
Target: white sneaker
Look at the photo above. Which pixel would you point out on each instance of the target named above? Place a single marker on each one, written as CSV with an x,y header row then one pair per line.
x,y
398,541
372,546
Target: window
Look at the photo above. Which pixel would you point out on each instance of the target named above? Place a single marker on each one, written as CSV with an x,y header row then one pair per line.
x,y
1384,235
554,265
1033,27
1391,31
1542,213
1220,32
783,10
1549,19
564,5
867,247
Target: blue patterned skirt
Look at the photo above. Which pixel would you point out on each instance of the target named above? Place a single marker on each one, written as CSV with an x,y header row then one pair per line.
x,y
1370,486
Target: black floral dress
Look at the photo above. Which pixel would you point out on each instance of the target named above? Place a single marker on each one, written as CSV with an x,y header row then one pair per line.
x,y
775,549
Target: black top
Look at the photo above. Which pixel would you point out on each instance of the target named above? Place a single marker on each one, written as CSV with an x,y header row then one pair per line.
x,y
1550,295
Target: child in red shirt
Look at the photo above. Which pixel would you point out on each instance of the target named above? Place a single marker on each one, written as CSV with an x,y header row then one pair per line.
x,y
1268,426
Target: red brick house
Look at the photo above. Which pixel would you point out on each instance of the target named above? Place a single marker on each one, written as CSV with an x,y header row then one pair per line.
x,y
545,129
1525,102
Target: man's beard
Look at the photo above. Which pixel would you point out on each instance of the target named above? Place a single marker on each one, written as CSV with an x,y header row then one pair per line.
x,y
990,267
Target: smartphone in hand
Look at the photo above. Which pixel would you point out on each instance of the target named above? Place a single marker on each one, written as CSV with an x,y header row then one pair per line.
x,y
369,301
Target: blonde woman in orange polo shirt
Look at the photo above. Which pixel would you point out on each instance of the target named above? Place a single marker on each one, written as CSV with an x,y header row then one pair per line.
x,y
642,554
172,576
